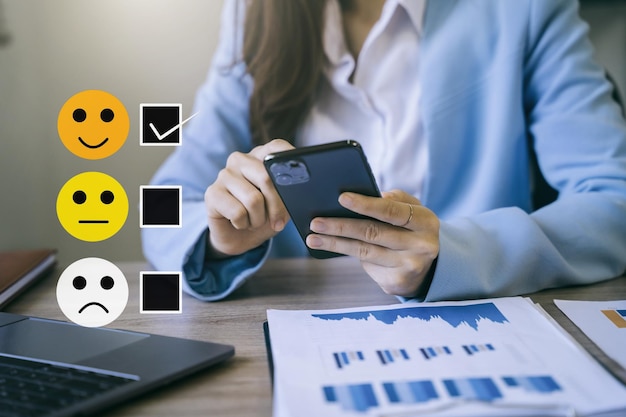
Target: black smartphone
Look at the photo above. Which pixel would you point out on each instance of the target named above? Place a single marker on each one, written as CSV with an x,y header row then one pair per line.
x,y
310,179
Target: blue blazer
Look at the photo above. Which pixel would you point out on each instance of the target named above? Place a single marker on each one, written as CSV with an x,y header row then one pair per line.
x,y
500,79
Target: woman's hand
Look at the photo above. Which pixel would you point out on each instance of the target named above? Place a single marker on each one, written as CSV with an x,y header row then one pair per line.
x,y
396,247
243,208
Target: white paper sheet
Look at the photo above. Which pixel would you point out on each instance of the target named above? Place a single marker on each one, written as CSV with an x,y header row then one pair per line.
x,y
604,322
494,357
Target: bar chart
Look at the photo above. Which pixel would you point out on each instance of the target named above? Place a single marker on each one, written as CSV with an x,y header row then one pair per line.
x,y
473,349
482,389
410,392
352,358
363,358
487,389
345,358
388,356
356,397
430,352
540,384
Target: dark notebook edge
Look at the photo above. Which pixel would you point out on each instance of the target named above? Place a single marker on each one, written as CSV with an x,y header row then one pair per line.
x,y
44,265
268,348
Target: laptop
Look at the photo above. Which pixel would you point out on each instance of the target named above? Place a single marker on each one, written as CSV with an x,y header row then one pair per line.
x,y
55,368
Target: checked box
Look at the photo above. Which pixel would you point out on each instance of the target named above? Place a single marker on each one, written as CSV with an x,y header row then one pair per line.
x,y
160,124
160,292
160,206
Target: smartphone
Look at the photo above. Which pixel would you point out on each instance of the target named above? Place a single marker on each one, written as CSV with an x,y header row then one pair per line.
x,y
310,179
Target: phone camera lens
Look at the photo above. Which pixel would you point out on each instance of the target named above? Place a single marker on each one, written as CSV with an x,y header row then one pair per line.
x,y
283,179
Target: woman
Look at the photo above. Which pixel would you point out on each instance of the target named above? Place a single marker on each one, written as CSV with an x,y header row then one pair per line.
x,y
450,101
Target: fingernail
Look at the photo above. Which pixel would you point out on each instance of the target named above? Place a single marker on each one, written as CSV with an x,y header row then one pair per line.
x,y
318,225
279,225
346,199
313,241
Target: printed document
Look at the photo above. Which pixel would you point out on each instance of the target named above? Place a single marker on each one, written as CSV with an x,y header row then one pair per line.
x,y
604,322
492,357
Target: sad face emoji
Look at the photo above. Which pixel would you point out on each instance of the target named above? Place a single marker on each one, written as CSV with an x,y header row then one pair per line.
x,y
92,206
92,292
93,124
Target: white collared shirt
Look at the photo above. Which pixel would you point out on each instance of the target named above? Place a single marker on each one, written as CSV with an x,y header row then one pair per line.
x,y
380,107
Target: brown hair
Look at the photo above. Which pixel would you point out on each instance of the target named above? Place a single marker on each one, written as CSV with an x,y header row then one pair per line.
x,y
284,54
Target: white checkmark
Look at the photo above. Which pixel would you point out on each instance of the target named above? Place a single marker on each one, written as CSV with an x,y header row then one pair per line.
x,y
166,134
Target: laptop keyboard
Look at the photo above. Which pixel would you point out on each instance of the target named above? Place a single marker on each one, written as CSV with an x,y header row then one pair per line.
x,y
29,388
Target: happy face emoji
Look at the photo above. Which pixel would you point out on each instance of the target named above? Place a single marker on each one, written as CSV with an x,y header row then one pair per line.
x,y
93,124
92,206
92,292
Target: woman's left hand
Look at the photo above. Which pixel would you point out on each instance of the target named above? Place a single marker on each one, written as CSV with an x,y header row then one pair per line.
x,y
397,246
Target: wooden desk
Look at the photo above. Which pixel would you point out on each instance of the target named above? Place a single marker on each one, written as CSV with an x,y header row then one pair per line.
x,y
241,386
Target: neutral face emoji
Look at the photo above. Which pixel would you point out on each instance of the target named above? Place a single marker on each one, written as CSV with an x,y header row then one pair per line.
x,y
92,292
92,206
93,124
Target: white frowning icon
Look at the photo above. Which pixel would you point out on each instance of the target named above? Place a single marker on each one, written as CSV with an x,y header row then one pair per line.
x,y
92,292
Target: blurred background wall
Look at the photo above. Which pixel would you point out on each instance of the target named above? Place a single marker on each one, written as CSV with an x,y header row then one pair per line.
x,y
607,21
140,51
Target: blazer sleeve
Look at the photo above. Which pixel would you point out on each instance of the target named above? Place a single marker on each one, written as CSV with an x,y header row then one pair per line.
x,y
579,136
220,128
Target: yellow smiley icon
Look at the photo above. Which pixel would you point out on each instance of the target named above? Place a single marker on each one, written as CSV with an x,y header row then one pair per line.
x,y
93,124
92,206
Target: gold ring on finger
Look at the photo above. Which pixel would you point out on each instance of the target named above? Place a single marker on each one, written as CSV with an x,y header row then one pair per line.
x,y
410,216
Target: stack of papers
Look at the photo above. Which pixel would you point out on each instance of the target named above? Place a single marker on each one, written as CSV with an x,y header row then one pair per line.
x,y
493,357
604,322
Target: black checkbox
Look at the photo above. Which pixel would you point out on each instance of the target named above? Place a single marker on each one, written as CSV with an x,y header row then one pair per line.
x,y
160,292
160,206
160,124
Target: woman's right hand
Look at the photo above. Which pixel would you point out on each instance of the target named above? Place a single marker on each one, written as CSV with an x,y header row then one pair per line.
x,y
243,208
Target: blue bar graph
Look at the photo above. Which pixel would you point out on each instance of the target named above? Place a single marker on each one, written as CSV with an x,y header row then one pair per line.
x,y
544,384
358,397
410,392
387,356
473,349
483,389
343,359
432,352
361,397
